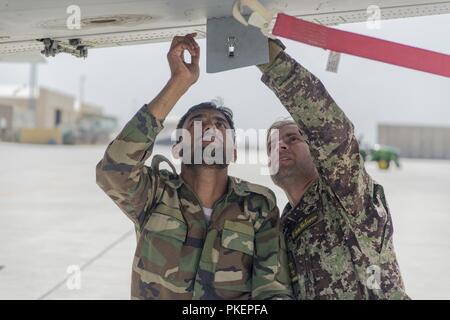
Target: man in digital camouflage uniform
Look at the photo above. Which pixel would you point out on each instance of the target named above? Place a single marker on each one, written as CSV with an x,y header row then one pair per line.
x,y
233,250
337,223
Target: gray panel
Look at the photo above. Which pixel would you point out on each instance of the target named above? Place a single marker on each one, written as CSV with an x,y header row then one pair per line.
x,y
231,45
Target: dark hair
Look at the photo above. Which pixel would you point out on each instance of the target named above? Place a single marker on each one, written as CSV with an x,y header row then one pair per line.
x,y
228,114
278,125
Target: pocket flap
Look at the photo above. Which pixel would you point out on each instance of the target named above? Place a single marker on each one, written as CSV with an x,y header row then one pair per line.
x,y
239,227
169,211
238,236
165,225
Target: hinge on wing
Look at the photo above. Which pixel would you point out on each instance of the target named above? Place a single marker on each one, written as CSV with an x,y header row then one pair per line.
x,y
74,47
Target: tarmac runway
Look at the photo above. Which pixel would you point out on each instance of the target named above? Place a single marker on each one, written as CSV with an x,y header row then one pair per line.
x,y
54,219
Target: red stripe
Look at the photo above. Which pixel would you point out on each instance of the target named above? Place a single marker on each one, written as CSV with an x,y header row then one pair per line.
x,y
362,46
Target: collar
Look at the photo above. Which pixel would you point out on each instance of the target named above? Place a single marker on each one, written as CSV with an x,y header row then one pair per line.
x,y
310,197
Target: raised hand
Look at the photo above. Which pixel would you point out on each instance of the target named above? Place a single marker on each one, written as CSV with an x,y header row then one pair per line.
x,y
181,71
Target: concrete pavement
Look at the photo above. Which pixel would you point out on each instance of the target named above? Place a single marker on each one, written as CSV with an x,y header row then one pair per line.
x,y
53,217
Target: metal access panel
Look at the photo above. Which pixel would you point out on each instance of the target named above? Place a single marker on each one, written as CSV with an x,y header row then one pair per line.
x,y
231,45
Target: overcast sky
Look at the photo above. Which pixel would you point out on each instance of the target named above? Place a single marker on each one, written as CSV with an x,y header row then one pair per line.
x,y
124,78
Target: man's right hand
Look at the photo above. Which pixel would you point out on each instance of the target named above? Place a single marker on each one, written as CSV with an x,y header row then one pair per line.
x,y
183,73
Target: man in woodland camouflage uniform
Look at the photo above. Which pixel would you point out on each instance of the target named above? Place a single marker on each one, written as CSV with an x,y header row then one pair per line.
x,y
233,250
337,223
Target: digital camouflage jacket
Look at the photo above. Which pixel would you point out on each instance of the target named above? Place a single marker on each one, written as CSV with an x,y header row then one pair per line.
x,y
339,237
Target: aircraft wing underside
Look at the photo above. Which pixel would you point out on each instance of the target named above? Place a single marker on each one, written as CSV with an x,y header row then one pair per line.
x,y
108,23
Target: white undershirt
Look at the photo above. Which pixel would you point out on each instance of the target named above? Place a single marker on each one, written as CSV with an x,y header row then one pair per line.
x,y
207,212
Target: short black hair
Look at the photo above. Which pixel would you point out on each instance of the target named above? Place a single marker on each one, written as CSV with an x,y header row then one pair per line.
x,y
227,113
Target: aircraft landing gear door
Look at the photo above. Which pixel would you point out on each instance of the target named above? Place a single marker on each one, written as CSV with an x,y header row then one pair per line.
x,y
231,45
